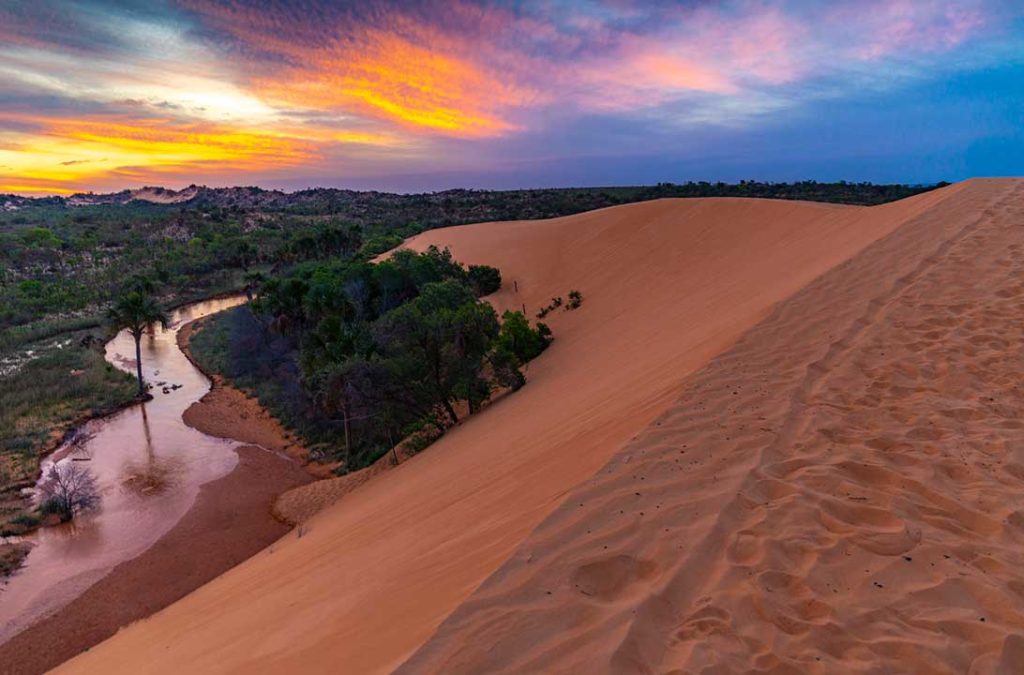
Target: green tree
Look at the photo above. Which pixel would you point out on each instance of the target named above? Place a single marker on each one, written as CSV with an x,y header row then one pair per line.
x,y
484,279
135,312
517,338
439,341
40,237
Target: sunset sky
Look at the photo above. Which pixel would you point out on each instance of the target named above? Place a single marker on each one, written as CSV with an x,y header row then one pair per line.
x,y
421,95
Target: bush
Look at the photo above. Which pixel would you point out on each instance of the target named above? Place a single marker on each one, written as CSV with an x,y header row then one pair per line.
x,y
555,304
422,439
19,525
484,279
517,338
26,520
69,489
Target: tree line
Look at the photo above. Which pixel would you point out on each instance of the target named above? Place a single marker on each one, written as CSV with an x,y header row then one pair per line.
x,y
401,346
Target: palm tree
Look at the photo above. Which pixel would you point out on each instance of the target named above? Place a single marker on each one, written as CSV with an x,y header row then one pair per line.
x,y
136,312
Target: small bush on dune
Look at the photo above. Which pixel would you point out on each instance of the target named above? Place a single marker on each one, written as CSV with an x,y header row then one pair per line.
x,y
519,339
575,300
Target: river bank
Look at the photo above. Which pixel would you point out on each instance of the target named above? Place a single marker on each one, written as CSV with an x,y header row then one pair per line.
x,y
56,609
229,522
226,412
68,384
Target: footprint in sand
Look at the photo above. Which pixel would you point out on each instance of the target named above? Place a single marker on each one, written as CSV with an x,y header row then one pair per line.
x,y
613,578
747,549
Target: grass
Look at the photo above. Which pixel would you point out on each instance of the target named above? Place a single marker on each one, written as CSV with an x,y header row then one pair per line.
x,y
40,401
19,336
11,557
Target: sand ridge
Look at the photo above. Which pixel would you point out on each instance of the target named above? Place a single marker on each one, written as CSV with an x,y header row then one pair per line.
x,y
667,285
839,492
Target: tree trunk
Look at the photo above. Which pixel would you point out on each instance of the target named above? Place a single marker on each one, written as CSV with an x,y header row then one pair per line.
x,y
348,436
451,411
138,363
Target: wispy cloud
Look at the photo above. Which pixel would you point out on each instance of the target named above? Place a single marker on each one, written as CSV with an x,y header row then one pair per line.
x,y
315,87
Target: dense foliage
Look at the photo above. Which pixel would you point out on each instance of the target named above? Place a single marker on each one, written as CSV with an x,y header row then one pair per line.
x,y
380,350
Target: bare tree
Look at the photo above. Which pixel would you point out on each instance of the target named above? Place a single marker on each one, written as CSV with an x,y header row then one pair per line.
x,y
70,488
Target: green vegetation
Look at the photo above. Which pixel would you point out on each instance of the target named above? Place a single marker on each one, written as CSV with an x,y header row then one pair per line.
x,y
356,356
63,260
11,557
44,396
575,300
135,312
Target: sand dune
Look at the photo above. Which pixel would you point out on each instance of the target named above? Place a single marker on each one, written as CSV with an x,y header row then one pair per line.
x,y
668,285
839,492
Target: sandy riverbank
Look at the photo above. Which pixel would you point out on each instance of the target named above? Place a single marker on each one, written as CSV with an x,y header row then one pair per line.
x,y
230,520
226,412
229,523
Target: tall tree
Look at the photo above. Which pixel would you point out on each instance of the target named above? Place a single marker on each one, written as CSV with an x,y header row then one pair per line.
x,y
135,312
440,339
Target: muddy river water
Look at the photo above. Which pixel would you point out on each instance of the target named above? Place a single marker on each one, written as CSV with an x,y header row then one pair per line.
x,y
149,467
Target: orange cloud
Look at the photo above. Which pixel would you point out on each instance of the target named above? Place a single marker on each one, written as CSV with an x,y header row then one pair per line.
x,y
379,74
63,154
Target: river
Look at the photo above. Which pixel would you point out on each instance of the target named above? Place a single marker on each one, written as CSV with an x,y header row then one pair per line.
x,y
148,465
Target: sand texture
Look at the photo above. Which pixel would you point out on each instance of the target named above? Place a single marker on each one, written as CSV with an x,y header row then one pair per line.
x,y
756,399
839,492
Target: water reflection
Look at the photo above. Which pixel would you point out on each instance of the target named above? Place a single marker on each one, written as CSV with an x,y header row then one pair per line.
x,y
148,467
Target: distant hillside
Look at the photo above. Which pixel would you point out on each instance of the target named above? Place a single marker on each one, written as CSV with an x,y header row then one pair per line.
x,y
461,206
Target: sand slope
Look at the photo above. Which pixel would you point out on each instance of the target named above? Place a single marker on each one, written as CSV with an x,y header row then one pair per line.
x,y
839,492
667,285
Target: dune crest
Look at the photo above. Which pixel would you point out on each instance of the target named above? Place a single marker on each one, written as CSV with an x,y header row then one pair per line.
x,y
667,285
838,492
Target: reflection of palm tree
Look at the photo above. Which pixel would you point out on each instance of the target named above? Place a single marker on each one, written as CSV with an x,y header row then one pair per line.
x,y
149,476
148,435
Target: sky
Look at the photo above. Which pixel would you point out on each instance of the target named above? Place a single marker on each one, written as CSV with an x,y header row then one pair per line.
x,y
97,95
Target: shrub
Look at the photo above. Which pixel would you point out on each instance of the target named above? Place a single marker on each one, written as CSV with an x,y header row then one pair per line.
x,y
484,279
422,439
557,302
26,519
69,489
517,338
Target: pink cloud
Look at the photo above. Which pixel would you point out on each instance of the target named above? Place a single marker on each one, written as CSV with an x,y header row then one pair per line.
x,y
883,28
476,70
